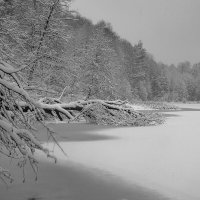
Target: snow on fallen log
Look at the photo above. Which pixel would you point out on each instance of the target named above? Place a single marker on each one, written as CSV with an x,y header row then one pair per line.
x,y
117,113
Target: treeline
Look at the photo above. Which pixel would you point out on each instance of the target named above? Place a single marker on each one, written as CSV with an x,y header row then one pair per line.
x,y
114,68
68,52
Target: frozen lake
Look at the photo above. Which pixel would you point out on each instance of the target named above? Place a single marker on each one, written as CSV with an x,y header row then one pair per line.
x,y
164,158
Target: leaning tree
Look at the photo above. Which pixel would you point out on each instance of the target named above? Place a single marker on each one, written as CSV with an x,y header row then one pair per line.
x,y
32,36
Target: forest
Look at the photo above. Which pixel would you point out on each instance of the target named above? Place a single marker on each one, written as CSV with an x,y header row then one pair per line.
x,y
68,52
50,54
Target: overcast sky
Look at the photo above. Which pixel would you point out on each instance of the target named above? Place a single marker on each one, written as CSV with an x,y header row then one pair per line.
x,y
169,29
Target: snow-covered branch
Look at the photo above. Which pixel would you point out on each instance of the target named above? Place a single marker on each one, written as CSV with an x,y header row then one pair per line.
x,y
117,113
17,138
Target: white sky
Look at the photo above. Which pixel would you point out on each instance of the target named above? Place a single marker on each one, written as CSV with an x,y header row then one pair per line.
x,y
169,29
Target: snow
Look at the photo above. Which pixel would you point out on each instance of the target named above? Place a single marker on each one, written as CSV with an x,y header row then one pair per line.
x,y
165,158
139,107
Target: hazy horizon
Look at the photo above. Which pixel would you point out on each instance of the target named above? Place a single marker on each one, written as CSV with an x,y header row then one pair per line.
x,y
169,30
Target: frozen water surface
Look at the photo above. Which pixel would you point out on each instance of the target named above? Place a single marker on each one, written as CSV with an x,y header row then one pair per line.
x,y
165,158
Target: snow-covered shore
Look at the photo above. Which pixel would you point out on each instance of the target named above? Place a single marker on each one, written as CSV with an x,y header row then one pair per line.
x,y
164,158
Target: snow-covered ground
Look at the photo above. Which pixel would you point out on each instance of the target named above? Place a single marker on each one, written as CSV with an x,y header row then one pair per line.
x,y
165,158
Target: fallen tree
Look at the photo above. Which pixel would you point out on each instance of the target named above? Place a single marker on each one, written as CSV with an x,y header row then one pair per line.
x,y
116,113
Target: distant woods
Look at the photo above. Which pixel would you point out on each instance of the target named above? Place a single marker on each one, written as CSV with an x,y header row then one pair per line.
x,y
67,54
113,68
